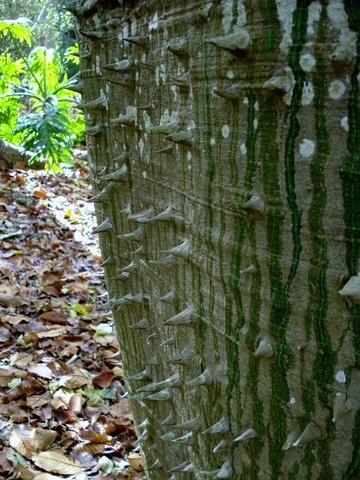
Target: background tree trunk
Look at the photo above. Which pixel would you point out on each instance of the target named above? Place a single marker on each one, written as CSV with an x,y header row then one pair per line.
x,y
223,140
11,154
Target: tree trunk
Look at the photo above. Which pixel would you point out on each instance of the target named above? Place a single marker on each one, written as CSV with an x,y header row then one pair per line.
x,y
223,140
11,154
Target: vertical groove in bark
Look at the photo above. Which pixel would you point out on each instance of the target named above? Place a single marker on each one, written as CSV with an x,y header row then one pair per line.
x,y
227,230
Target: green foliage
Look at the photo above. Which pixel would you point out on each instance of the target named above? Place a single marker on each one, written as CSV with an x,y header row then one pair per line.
x,y
72,54
17,29
52,26
36,108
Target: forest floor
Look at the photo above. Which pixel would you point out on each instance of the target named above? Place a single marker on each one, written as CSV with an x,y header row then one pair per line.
x,y
64,411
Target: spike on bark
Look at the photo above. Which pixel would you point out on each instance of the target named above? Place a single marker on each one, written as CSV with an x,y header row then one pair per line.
x,y
222,426
105,226
247,435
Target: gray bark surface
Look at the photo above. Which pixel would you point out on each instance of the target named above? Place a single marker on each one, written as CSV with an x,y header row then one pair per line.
x,y
223,141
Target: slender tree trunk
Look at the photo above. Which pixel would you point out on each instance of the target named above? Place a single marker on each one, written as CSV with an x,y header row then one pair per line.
x,y
11,154
223,138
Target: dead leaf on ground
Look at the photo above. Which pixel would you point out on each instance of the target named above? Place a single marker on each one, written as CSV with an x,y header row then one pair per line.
x,y
60,384
12,300
56,462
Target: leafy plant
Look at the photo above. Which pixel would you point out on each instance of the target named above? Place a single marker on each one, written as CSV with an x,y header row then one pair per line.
x,y
36,103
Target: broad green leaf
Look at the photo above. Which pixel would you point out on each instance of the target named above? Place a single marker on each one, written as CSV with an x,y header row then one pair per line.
x,y
19,29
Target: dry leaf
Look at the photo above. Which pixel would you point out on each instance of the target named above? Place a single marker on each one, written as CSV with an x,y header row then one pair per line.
x,y
47,476
23,473
22,443
43,438
56,462
61,399
21,359
9,373
11,300
104,379
93,448
30,337
94,437
54,317
52,291
41,371
53,332
136,462
39,193
15,319
76,403
5,465
78,379
119,372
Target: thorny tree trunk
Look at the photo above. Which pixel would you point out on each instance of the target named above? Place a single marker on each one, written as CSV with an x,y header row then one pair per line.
x,y
222,137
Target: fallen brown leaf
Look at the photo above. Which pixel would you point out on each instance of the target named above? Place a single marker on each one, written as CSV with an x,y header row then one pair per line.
x,y
54,317
11,300
56,462
20,441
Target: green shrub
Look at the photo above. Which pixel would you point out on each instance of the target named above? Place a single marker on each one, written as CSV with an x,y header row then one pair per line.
x,y
36,108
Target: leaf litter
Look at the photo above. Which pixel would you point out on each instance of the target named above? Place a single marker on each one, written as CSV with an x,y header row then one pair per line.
x,y
64,411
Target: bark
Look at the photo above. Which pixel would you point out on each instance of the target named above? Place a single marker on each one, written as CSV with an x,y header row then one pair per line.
x,y
12,154
223,140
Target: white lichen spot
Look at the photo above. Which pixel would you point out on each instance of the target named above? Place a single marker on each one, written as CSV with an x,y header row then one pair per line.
x,y
307,62
189,156
337,14
189,167
314,11
144,174
256,106
336,89
141,146
225,131
306,148
147,120
174,91
246,101
160,74
97,21
212,141
243,149
230,75
285,10
345,48
307,95
228,17
255,123
97,65
340,376
344,122
166,117
154,22
292,401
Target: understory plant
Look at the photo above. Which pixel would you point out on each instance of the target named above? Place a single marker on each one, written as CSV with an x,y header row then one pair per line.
x,y
36,106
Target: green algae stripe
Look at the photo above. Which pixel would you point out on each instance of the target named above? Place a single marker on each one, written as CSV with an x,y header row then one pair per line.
x,y
350,178
299,36
317,310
